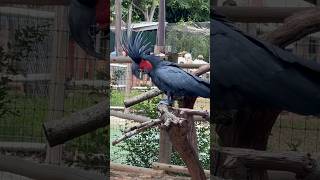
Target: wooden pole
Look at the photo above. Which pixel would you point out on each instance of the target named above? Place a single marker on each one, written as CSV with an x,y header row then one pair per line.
x,y
77,124
161,26
134,169
118,26
174,168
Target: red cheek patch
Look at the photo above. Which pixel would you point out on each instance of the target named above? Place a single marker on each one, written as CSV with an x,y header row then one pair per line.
x,y
145,65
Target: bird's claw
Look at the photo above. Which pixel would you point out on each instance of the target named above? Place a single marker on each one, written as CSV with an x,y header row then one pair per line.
x,y
165,102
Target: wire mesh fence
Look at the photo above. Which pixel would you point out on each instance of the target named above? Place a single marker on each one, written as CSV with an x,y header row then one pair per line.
x,y
49,77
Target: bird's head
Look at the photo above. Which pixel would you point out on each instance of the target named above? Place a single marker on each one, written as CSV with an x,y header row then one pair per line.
x,y
137,48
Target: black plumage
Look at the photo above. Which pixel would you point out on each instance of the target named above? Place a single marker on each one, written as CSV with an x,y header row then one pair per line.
x,y
250,71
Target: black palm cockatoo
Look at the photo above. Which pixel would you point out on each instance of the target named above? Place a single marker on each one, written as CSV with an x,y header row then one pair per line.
x,y
86,19
248,71
167,76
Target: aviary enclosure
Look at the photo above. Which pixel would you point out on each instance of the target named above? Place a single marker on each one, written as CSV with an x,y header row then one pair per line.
x,y
50,78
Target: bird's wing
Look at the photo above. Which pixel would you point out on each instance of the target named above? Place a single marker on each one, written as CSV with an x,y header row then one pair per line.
x,y
264,74
180,83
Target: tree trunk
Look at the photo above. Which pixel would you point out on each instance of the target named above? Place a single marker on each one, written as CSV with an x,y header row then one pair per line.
x,y
250,128
118,26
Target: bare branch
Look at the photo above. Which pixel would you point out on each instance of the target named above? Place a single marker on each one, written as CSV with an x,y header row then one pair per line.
x,y
137,131
139,126
204,114
296,27
129,116
142,97
168,117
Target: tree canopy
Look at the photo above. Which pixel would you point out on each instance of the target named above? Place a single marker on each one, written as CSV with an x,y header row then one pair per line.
x,y
176,10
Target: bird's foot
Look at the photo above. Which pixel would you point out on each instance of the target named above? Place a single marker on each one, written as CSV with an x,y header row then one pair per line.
x,y
166,102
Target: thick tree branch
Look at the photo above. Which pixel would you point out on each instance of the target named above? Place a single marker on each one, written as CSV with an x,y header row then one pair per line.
x,y
137,130
166,119
142,97
77,124
296,27
129,116
300,163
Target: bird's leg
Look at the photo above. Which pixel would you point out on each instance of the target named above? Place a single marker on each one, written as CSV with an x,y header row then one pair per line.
x,y
169,101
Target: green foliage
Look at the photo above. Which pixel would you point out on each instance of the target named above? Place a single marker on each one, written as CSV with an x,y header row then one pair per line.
x,y
143,149
22,46
196,44
188,10
140,9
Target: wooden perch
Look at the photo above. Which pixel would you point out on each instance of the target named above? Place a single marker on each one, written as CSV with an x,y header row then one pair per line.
x,y
155,92
129,116
174,168
38,171
204,114
179,136
293,29
142,97
302,164
166,119
22,147
134,169
135,131
77,124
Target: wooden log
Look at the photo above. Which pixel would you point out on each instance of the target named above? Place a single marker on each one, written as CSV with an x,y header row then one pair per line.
x,y
134,169
178,130
77,124
293,29
180,141
117,108
38,171
174,168
300,163
22,147
142,97
129,116
259,14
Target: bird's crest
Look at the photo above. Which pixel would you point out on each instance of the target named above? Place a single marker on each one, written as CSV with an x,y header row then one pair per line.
x,y
136,46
